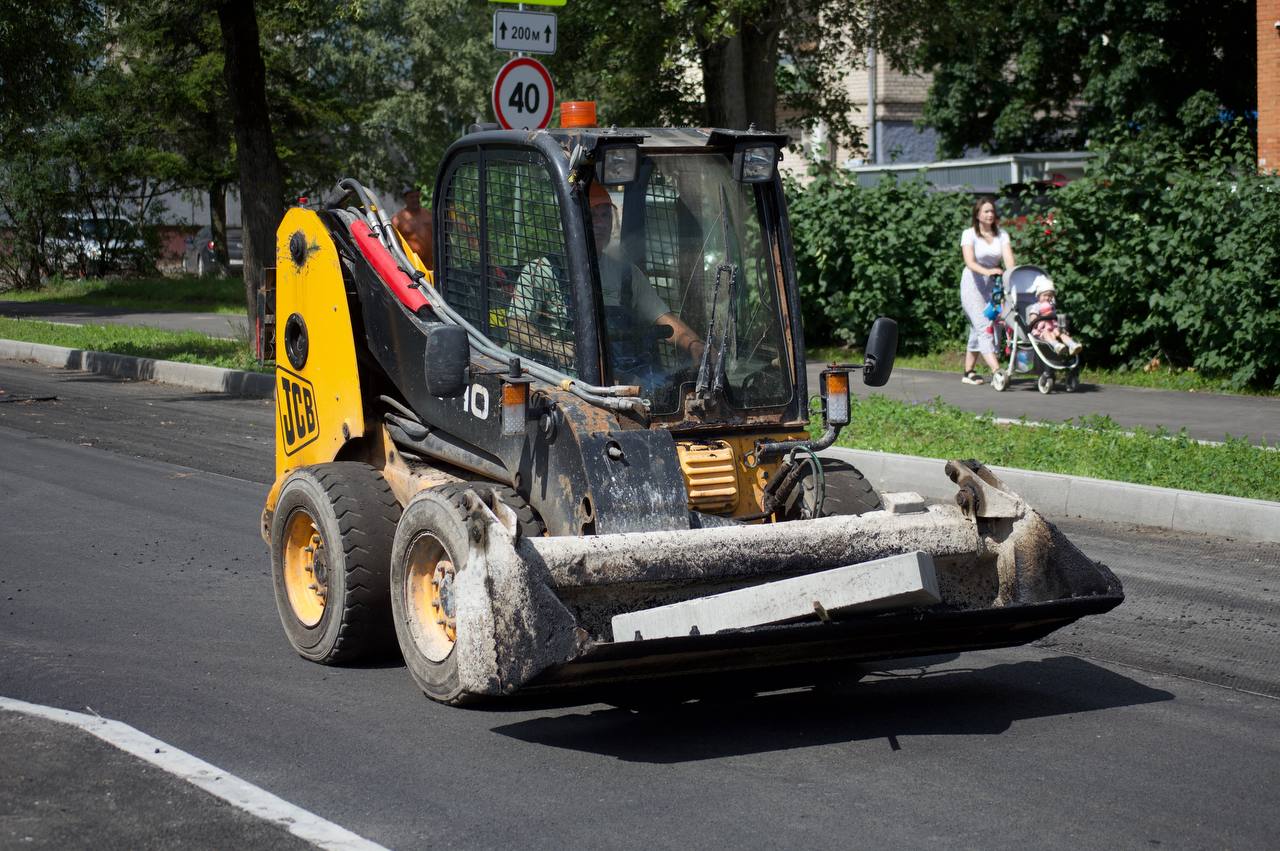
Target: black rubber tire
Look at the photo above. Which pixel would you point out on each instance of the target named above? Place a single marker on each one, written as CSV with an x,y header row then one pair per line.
x,y
439,513
355,513
531,525
1045,383
430,514
847,492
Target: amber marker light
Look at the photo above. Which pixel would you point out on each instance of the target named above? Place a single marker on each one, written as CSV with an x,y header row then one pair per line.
x,y
515,405
837,392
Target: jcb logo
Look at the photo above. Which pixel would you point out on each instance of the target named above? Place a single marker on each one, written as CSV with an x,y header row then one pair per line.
x,y
296,407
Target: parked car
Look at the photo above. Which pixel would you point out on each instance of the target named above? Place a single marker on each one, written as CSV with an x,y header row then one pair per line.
x,y
201,256
88,246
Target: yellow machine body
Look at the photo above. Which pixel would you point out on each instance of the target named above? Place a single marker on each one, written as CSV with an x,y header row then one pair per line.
x,y
318,402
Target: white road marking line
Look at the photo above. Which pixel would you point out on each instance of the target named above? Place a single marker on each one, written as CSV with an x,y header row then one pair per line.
x,y
239,793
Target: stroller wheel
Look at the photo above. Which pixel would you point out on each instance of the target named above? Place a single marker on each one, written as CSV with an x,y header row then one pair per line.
x,y
1072,381
1045,384
999,380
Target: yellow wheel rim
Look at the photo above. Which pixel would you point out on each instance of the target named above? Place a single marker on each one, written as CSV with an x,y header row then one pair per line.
x,y
306,573
429,593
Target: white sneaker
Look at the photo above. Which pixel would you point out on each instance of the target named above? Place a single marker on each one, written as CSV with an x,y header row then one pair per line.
x,y
1074,347
1059,347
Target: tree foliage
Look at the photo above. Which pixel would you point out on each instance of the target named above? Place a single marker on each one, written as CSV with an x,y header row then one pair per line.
x,y
1021,75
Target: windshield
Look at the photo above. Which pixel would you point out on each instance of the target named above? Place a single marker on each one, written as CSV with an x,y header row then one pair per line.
x,y
688,286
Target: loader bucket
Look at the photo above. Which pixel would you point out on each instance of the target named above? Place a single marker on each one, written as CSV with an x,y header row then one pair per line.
x,y
784,601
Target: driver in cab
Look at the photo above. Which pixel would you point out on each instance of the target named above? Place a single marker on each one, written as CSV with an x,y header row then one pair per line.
x,y
631,303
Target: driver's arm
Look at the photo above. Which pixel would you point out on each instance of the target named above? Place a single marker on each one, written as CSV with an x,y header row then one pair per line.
x,y
646,300
682,336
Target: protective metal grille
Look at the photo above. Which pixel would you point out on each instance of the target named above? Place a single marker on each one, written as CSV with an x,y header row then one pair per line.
x,y
530,300
513,285
462,284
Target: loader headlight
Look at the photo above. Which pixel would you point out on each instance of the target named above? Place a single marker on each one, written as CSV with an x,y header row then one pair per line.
x,y
617,164
755,163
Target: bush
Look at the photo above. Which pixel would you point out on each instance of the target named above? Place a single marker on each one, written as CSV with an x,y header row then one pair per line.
x,y
890,250
1170,253
1164,250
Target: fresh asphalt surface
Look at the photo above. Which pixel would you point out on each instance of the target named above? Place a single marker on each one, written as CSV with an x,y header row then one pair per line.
x,y
1205,416
133,581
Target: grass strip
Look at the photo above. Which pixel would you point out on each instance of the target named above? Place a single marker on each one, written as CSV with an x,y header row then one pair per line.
x,y
1158,378
180,346
175,295
1093,446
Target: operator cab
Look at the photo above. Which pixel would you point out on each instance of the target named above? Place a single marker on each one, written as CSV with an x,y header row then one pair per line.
x,y
651,258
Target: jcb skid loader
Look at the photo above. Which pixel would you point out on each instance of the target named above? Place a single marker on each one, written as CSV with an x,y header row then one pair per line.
x,y
576,454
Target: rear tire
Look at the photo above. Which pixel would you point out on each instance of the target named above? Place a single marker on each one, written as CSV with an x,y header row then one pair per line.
x,y
847,492
331,536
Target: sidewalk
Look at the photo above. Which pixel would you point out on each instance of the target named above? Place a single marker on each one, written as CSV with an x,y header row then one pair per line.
x,y
1205,416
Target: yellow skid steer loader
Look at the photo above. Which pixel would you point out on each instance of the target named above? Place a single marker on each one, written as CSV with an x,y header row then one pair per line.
x,y
576,453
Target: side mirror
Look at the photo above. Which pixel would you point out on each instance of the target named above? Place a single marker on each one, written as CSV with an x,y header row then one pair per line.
x,y
447,357
882,347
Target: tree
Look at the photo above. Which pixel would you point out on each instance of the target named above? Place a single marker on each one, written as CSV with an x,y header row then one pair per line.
x,y
1041,74
261,185
44,47
752,56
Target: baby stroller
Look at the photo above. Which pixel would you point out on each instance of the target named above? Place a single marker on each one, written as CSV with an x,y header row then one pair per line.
x,y
1026,352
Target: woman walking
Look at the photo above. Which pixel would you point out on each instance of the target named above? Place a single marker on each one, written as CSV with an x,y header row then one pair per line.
x,y
987,253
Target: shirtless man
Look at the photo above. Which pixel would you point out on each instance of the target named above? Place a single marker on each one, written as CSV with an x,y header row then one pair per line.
x,y
415,224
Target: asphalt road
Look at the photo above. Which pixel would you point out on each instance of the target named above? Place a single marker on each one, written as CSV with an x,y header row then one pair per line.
x,y
1205,416
133,581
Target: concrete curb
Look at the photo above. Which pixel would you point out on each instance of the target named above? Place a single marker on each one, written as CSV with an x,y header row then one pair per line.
x,y
1052,494
1057,495
211,379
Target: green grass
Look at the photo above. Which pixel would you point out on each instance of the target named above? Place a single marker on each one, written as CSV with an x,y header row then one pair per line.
x,y
181,346
1092,446
180,295
1162,378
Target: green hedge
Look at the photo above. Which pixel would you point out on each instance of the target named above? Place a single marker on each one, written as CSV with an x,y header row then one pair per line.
x,y
1159,252
892,250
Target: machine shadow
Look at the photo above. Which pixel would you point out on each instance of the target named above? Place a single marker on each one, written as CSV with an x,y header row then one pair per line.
x,y
949,701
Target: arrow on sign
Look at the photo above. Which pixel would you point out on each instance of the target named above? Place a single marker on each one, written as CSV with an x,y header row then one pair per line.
x,y
503,29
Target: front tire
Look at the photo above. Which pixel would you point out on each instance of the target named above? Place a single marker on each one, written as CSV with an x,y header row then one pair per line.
x,y
430,548
1045,383
331,536
847,492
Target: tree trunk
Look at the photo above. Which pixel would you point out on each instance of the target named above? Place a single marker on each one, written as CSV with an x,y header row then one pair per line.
x,y
760,72
722,83
261,187
739,75
218,220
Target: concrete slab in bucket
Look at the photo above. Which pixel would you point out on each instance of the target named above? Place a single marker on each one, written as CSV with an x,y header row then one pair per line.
x,y
885,583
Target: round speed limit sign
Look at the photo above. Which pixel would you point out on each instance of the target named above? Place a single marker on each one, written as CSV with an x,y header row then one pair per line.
x,y
523,95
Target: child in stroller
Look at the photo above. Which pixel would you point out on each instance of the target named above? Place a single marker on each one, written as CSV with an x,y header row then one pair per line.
x,y
1034,335
1042,318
